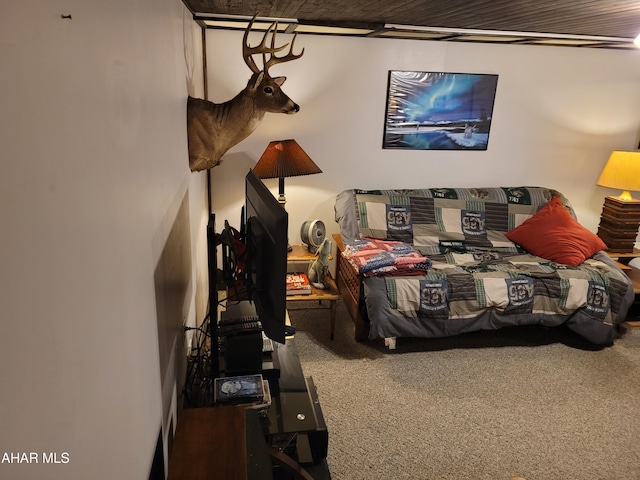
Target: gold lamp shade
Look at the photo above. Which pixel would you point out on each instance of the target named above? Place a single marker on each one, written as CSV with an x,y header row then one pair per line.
x,y
620,215
622,171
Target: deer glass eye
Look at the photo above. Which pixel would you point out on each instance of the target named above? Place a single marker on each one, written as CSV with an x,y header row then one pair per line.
x,y
268,90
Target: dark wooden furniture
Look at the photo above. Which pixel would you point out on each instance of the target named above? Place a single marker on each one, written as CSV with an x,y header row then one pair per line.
x,y
219,442
622,259
349,283
619,224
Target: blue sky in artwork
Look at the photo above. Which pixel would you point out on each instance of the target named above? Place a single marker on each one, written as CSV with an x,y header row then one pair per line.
x,y
440,97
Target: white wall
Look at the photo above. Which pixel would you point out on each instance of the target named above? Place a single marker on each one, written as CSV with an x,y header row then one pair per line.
x,y
559,112
94,169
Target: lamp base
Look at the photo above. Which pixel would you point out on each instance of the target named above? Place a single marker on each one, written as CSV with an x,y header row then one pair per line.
x,y
619,224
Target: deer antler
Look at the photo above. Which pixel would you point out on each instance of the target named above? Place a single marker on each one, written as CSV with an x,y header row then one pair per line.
x,y
273,59
248,51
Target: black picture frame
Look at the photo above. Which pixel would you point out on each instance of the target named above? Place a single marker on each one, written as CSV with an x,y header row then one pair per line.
x,y
439,110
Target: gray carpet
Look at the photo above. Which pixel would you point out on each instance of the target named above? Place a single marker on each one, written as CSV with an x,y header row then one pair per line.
x,y
526,401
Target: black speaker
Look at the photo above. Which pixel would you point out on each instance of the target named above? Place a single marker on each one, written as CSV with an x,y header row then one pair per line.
x,y
242,333
243,353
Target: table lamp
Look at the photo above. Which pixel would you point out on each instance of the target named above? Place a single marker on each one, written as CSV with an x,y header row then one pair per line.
x,y
284,158
620,215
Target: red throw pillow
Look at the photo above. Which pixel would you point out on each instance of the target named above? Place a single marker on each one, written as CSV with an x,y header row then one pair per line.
x,y
555,235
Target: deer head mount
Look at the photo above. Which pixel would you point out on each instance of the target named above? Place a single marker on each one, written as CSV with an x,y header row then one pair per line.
x,y
213,128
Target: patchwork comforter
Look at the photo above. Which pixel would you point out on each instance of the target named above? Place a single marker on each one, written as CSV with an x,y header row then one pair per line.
x,y
372,257
477,278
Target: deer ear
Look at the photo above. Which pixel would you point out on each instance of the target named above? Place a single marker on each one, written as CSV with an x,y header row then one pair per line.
x,y
255,82
279,80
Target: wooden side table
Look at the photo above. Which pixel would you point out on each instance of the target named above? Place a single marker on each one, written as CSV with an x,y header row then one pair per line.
x,y
622,259
300,255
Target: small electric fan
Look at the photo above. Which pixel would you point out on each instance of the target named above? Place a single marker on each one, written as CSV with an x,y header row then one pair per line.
x,y
312,234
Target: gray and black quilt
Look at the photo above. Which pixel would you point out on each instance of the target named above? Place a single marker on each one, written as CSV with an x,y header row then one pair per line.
x,y
477,279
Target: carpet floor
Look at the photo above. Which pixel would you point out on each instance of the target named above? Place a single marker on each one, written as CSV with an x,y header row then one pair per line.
x,y
531,402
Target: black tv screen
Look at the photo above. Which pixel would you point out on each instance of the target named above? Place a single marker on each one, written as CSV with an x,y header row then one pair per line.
x,y
267,241
212,266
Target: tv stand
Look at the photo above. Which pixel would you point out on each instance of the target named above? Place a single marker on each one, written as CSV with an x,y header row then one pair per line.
x,y
236,441
294,422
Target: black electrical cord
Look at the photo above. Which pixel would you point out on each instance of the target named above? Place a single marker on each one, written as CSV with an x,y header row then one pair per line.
x,y
197,390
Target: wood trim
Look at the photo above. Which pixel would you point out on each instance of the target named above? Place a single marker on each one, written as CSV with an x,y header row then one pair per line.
x,y
349,283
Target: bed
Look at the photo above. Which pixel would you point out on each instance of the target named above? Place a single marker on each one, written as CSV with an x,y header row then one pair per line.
x,y
487,258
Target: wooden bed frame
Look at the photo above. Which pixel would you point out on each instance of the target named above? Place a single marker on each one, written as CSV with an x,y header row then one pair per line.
x,y
349,284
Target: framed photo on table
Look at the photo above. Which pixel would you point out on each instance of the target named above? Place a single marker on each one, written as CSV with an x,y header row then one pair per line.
x,y
439,111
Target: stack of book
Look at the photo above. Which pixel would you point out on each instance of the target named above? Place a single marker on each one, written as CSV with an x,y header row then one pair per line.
x,y
298,284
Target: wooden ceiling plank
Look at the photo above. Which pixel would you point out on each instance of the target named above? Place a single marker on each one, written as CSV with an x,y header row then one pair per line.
x,y
620,18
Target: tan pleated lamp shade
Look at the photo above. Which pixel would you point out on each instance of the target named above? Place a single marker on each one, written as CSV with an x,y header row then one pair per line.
x,y
285,158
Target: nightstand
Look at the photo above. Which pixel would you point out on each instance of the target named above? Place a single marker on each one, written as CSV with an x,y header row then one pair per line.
x,y
300,255
622,260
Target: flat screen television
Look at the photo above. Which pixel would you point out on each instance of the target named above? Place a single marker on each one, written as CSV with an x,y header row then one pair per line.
x,y
266,223
212,268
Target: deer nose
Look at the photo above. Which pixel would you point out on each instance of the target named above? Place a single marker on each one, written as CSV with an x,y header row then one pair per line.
x,y
295,108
